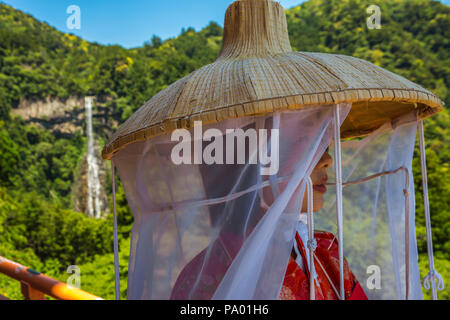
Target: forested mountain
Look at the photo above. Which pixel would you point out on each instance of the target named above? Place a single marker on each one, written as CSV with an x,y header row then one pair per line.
x,y
39,162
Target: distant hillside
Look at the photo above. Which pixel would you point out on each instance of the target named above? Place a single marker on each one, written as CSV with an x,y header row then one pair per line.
x,y
37,61
44,73
414,40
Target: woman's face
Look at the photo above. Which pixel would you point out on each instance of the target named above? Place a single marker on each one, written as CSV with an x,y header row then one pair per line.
x,y
319,179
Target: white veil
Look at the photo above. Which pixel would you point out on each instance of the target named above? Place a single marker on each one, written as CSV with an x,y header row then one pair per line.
x,y
374,211
208,232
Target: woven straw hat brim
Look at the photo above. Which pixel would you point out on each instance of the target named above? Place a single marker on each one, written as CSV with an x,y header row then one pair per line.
x,y
254,86
248,80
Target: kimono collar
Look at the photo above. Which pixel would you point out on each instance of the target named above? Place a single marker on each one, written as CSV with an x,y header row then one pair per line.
x,y
303,218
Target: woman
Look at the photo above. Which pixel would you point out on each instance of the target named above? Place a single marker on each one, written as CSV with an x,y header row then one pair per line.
x,y
201,277
296,282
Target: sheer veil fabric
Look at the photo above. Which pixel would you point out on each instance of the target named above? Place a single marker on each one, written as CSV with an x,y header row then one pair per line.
x,y
374,211
209,231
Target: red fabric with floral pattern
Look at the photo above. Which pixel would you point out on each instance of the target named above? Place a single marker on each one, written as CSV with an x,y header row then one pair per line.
x,y
296,282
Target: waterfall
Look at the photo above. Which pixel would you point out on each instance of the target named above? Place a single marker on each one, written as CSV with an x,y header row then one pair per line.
x,y
94,187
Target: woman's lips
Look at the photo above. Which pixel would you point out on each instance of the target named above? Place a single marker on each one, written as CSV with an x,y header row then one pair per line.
x,y
320,188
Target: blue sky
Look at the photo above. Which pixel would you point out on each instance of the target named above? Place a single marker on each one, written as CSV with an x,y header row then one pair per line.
x,y
131,22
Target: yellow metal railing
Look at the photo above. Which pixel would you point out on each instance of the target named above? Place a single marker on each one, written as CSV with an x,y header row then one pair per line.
x,y
35,286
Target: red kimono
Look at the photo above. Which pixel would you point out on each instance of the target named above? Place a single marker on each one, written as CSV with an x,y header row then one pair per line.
x,y
296,281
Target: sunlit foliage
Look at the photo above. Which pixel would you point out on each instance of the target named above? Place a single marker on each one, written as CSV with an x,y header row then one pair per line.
x,y
38,167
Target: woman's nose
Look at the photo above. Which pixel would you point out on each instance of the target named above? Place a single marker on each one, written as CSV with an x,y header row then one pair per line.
x,y
326,160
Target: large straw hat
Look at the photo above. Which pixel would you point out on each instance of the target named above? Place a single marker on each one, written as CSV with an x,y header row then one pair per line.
x,y
257,72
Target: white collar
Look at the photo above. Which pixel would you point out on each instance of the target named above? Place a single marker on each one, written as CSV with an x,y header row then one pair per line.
x,y
303,218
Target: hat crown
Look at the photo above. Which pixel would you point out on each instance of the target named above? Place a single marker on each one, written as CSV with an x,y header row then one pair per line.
x,y
254,28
